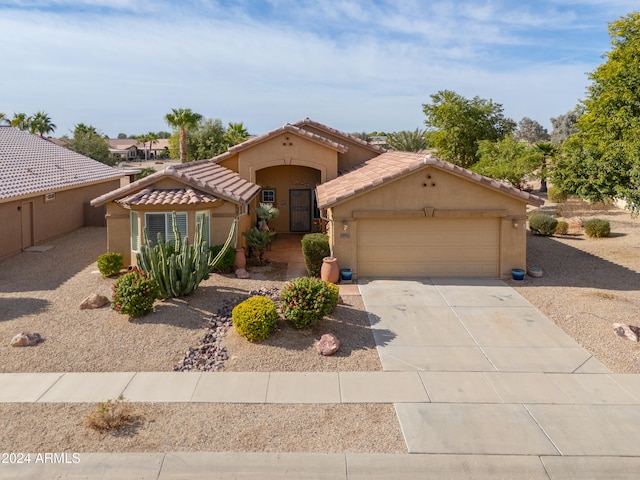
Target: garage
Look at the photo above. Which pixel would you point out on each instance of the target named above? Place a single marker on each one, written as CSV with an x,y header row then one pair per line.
x,y
405,214
428,247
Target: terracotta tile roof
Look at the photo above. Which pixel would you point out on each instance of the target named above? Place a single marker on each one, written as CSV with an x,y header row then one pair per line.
x,y
346,136
175,196
392,165
205,176
32,165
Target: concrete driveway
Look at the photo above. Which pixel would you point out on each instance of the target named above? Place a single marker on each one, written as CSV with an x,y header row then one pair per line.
x,y
502,380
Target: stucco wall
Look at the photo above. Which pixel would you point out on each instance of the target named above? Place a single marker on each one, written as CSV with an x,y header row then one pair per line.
x,y
446,194
50,219
119,229
288,149
282,179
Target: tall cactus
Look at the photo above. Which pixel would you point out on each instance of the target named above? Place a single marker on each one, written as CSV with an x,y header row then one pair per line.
x,y
177,267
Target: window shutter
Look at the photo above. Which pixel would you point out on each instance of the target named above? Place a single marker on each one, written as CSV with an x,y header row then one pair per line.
x,y
181,221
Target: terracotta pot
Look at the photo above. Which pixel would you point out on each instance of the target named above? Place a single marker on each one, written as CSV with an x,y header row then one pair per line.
x,y
330,272
241,259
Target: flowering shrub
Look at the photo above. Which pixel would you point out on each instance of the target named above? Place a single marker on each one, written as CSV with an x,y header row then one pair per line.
x,y
306,300
255,318
134,294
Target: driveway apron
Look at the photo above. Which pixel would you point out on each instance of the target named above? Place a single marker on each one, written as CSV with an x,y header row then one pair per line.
x,y
501,378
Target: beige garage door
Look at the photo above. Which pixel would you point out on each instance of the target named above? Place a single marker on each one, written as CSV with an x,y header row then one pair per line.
x,y
428,247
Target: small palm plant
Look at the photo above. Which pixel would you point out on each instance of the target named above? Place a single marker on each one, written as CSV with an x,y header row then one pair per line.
x,y
266,212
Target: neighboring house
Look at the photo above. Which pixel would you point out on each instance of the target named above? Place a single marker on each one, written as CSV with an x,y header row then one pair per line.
x,y
126,148
390,213
45,190
158,148
195,191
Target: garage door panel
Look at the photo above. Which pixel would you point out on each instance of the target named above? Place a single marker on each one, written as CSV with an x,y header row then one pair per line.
x,y
428,247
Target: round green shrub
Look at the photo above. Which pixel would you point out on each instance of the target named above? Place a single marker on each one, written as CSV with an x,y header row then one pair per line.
x,y
255,318
110,264
562,228
228,260
556,195
134,294
315,246
543,224
306,300
597,228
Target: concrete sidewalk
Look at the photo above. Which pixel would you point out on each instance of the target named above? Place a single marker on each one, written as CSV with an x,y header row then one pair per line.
x,y
483,384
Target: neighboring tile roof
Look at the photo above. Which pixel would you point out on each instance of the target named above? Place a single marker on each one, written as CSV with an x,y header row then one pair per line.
x,y
32,165
121,143
175,196
392,165
205,176
346,136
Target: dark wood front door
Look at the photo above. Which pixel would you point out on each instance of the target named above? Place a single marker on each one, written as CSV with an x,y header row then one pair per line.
x,y
300,210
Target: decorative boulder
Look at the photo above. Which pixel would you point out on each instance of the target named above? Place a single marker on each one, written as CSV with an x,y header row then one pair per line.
x,y
25,339
94,301
242,273
328,344
630,332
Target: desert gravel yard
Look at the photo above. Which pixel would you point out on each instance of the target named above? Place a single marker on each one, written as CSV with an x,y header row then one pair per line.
x,y
587,285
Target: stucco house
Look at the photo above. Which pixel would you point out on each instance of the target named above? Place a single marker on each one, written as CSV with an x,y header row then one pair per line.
x,y
389,213
45,190
197,190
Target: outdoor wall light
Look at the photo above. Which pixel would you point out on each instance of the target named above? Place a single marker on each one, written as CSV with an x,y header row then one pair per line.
x,y
515,223
345,225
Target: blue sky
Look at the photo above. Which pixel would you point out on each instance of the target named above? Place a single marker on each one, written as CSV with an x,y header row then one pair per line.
x,y
356,65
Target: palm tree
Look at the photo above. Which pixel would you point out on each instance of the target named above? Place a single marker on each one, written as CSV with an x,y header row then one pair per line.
x,y
548,151
407,141
21,121
4,119
182,119
235,134
41,123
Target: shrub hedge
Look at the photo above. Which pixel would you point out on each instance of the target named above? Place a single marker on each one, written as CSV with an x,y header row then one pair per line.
x,y
597,227
543,224
306,300
255,318
315,246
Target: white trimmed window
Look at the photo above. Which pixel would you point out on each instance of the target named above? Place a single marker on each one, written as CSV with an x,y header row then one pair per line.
x,y
160,223
204,218
135,232
268,196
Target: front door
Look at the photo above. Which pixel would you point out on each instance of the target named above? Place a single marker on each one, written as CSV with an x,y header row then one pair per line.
x,y
300,210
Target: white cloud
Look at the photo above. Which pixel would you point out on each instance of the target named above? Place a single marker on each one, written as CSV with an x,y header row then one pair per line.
x,y
356,65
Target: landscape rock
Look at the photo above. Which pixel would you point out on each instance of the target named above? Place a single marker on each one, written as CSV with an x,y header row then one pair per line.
x,y
25,339
630,332
242,273
94,301
328,344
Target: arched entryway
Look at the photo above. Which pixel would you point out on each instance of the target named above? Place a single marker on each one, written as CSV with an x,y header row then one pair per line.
x,y
291,189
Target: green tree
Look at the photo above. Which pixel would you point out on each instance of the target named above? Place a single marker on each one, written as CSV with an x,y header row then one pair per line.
x,y
182,119
458,124
122,136
601,160
507,160
4,120
531,131
564,126
89,142
206,140
41,124
150,138
235,134
407,141
548,152
21,121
